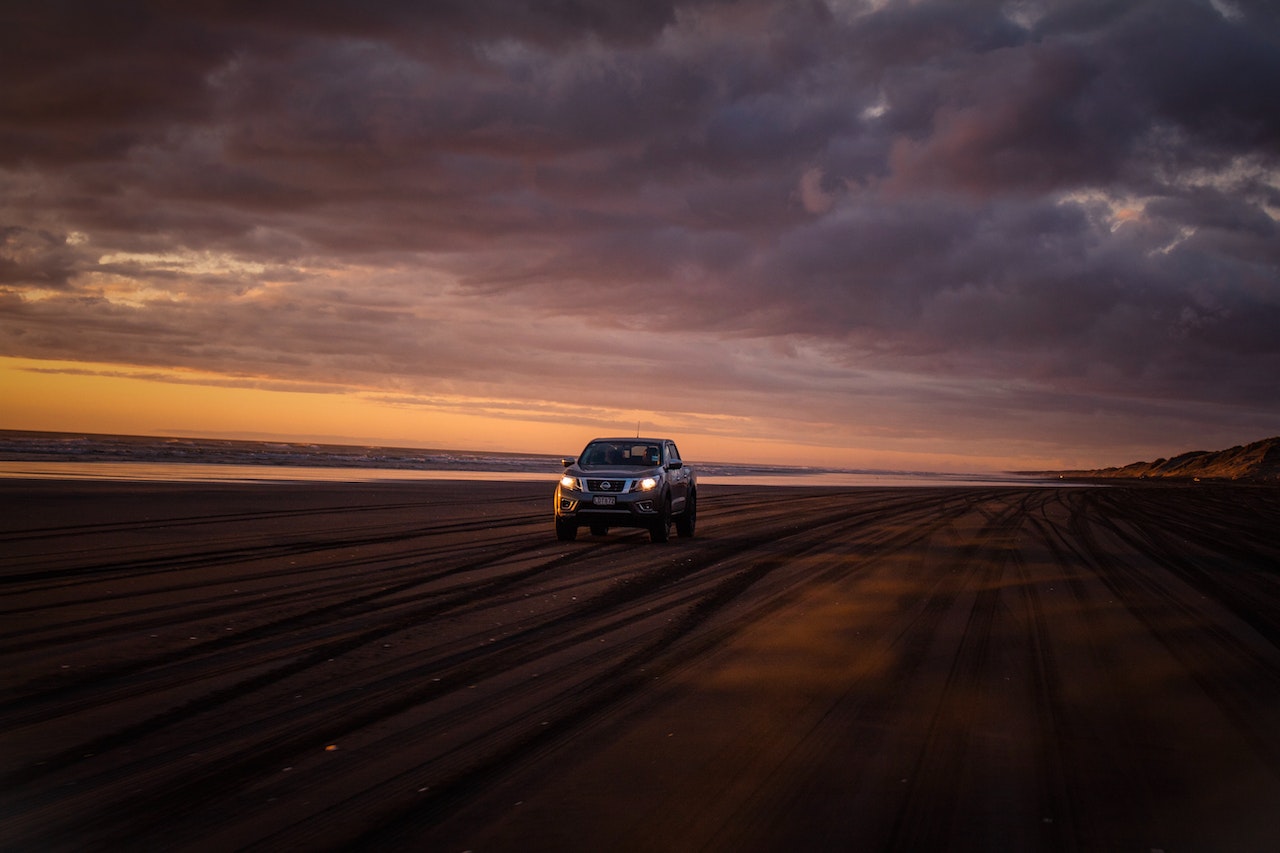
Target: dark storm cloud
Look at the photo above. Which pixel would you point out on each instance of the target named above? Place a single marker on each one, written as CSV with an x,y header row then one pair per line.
x,y
1070,198
124,66
35,257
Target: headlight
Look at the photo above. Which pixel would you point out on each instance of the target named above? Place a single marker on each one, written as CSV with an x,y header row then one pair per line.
x,y
646,484
569,482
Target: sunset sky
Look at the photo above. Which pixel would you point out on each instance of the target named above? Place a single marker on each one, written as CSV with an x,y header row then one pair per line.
x,y
925,235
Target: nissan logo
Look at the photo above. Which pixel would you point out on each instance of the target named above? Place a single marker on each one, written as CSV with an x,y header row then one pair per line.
x,y
605,486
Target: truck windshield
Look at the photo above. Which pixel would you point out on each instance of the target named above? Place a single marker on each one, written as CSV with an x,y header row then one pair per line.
x,y
604,454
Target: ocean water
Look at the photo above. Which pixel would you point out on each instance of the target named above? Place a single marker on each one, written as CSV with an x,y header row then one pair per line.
x,y
75,456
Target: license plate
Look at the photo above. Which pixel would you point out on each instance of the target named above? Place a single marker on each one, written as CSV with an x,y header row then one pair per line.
x,y
604,500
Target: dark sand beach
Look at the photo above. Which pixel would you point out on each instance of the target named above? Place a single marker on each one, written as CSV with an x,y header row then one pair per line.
x,y
421,666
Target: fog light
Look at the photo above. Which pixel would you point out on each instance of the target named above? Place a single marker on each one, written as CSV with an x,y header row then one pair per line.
x,y
645,506
566,504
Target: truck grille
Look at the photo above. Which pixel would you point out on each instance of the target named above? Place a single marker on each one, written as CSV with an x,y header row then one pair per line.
x,y
613,487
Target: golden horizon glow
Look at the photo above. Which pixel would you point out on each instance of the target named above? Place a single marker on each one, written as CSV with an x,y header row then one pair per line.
x,y
66,396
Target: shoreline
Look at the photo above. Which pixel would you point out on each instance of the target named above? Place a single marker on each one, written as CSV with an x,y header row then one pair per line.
x,y
195,472
82,455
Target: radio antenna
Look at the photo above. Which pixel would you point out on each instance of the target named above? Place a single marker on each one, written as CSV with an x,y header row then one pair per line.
x,y
637,429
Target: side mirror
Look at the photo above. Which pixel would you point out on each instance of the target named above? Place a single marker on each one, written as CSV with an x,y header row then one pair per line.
x,y
567,461
675,465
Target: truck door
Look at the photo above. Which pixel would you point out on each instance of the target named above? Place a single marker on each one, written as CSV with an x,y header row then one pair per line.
x,y
678,477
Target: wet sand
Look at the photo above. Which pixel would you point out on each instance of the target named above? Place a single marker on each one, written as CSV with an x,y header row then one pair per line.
x,y
422,666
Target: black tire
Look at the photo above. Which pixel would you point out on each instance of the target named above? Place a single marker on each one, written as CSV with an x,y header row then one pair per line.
x,y
599,529
686,520
661,529
566,531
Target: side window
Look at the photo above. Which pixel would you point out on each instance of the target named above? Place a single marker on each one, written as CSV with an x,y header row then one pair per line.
x,y
673,455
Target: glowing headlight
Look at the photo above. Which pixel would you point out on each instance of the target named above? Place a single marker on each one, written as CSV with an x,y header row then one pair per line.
x,y
646,484
569,482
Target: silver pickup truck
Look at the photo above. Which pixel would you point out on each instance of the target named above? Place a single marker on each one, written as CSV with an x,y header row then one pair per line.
x,y
627,482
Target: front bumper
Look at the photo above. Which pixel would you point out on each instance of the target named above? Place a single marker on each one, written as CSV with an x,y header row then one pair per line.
x,y
617,510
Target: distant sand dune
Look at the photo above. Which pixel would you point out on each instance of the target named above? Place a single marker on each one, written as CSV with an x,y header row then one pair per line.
x,y
1256,462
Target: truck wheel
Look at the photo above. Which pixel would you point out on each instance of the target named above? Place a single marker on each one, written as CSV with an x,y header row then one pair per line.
x,y
566,531
686,520
661,530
